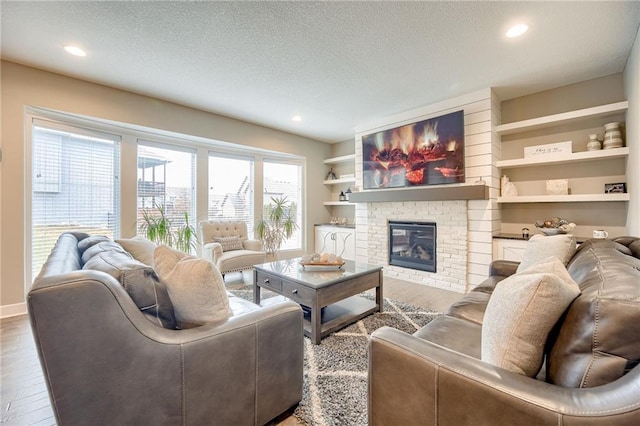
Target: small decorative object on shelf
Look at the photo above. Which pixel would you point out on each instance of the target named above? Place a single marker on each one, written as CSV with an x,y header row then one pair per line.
x,y
508,188
555,226
342,197
480,181
347,193
612,136
615,188
525,233
559,148
558,187
331,175
594,143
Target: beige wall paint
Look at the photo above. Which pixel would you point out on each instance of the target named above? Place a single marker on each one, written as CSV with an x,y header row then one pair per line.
x,y
632,92
23,86
588,216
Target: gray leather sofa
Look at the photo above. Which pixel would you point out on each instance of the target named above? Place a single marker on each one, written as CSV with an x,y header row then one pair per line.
x,y
591,374
105,362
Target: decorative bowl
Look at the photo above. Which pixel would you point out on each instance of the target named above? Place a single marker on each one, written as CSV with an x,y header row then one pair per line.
x,y
552,231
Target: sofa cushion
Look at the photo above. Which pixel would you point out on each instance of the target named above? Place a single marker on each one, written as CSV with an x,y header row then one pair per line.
x,y
599,340
229,243
101,247
540,247
140,248
195,286
473,305
85,243
522,311
141,283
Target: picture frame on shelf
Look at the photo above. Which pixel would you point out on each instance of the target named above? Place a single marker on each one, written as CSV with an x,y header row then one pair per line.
x,y
615,188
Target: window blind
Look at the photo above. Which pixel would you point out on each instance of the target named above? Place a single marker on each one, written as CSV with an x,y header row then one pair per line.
x,y
166,180
74,185
231,182
285,179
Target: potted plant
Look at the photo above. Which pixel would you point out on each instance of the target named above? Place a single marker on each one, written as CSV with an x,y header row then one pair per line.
x,y
160,228
277,224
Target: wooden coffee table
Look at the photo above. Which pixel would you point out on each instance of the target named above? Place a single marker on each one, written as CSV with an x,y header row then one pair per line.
x,y
328,295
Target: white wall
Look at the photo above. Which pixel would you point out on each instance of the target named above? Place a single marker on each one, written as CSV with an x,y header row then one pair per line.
x,y
632,92
24,86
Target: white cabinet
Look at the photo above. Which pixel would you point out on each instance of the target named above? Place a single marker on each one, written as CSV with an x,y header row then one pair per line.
x,y
508,249
586,184
337,240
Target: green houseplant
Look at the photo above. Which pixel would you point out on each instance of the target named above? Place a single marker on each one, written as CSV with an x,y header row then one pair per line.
x,y
277,224
161,229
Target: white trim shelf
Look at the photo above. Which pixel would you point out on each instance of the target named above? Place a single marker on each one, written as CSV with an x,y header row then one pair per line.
x,y
575,157
342,159
562,118
577,198
338,203
339,180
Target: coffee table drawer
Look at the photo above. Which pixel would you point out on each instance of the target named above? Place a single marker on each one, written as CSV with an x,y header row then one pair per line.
x,y
298,293
269,281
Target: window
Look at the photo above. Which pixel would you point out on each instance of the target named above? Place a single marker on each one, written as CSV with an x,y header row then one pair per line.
x,y
285,179
74,185
166,182
231,181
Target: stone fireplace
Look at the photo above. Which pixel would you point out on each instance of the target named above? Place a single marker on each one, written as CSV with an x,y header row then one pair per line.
x,y
373,239
413,245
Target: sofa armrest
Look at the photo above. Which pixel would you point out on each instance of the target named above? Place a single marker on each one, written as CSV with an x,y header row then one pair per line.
x,y
503,268
212,251
414,381
255,245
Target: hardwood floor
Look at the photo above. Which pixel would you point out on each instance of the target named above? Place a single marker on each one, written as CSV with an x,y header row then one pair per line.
x,y
23,392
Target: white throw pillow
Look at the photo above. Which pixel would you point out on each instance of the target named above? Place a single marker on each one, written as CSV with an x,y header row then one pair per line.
x,y
229,243
195,287
540,247
522,311
140,248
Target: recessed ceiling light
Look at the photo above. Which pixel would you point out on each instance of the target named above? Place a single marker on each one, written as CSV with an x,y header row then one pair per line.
x,y
296,118
517,30
75,50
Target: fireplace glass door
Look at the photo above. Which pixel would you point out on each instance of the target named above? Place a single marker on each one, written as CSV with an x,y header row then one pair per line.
x,y
413,245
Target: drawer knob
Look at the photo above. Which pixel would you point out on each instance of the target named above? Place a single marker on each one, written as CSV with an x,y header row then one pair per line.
x,y
266,280
294,291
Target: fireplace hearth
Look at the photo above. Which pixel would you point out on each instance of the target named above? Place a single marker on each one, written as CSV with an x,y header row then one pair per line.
x,y
413,245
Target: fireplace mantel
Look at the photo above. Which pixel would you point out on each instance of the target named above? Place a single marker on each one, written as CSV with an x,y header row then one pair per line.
x,y
423,193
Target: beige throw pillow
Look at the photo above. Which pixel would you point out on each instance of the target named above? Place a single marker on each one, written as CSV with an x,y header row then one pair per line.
x,y
229,243
522,311
195,287
140,248
540,247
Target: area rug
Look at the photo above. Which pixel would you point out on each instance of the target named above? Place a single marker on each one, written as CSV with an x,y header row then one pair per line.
x,y
335,372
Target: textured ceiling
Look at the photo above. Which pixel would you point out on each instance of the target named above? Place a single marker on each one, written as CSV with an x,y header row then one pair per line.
x,y
338,64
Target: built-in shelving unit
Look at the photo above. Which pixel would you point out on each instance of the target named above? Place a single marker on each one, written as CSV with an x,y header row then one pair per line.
x,y
577,198
575,157
578,119
563,118
344,181
341,159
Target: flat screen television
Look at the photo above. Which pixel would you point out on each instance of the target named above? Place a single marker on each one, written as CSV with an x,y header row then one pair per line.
x,y
427,152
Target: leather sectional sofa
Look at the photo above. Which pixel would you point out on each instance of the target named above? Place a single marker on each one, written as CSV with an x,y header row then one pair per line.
x,y
590,373
107,362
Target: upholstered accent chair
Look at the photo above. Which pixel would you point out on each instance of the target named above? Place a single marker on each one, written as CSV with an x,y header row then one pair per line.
x,y
227,245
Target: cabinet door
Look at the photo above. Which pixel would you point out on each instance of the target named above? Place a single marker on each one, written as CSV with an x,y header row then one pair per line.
x,y
508,249
324,240
346,243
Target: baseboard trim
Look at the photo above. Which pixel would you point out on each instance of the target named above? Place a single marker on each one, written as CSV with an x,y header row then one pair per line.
x,y
14,310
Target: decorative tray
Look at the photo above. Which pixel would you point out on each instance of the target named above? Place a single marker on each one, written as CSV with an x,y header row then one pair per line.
x,y
336,265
